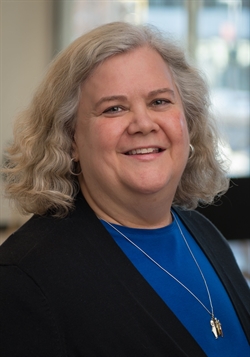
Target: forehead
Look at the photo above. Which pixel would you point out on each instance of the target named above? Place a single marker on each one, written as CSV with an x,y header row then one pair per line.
x,y
138,67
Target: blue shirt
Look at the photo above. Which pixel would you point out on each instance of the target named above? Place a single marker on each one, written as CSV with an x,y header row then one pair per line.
x,y
168,248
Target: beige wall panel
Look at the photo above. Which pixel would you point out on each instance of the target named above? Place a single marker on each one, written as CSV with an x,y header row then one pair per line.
x,y
26,49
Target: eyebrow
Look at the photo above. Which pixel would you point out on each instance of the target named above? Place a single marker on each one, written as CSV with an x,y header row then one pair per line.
x,y
124,98
161,90
110,99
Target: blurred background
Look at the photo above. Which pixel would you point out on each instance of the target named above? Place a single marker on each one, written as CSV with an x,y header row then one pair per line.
x,y
215,35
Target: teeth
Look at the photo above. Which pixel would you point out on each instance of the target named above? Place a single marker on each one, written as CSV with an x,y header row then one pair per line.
x,y
143,151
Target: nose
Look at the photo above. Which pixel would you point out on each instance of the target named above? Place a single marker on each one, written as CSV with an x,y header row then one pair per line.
x,y
142,122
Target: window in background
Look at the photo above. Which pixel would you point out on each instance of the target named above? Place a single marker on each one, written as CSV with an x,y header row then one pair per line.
x,y
223,51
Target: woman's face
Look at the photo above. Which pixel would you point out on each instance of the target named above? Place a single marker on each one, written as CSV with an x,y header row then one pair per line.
x,y
131,134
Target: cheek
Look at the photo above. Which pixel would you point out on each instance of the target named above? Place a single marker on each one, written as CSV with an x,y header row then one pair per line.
x,y
177,126
108,133
95,141
81,143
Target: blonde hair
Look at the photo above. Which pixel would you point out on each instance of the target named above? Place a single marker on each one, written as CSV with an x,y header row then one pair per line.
x,y
39,168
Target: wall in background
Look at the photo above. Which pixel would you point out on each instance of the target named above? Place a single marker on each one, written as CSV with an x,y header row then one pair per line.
x,y
26,49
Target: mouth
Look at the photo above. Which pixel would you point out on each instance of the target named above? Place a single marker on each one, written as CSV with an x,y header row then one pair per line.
x,y
144,151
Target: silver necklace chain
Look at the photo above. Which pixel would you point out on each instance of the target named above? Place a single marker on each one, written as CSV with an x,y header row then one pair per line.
x,y
216,325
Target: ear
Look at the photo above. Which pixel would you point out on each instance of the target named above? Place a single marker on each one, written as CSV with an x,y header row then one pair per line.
x,y
75,151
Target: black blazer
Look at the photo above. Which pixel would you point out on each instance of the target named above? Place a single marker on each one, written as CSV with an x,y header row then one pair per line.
x,y
67,289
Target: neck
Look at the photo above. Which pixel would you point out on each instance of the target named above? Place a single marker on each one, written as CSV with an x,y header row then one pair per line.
x,y
146,211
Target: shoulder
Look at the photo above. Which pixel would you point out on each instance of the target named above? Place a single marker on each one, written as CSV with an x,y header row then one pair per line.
x,y
32,234
42,235
193,216
200,225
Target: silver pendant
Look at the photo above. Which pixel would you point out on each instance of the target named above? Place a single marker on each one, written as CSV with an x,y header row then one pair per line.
x,y
216,327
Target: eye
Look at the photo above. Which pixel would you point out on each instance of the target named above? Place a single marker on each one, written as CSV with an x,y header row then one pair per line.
x,y
158,102
115,109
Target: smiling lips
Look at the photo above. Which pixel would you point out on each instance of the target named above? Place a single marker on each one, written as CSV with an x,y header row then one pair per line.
x,y
143,151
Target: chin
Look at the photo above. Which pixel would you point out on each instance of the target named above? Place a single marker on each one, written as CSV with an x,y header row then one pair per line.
x,y
153,189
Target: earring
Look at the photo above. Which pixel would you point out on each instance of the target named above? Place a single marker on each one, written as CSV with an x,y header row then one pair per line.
x,y
191,151
73,173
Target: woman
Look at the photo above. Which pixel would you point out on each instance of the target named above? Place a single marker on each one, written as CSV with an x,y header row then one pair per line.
x,y
113,154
